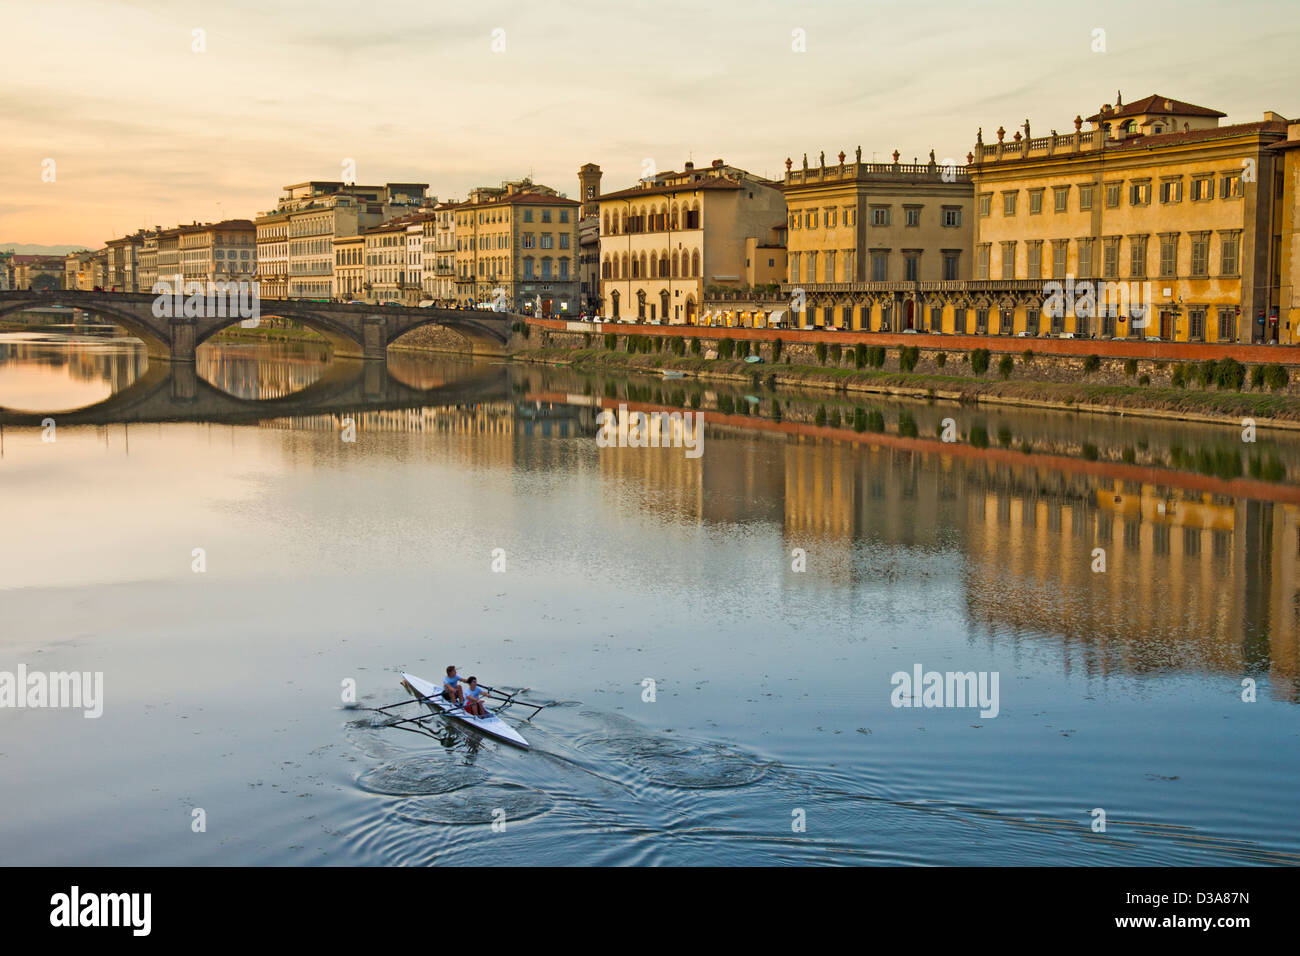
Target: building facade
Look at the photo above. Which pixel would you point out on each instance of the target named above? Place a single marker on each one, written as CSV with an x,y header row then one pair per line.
x,y
273,255
147,267
439,277
668,239
38,272
388,275
78,271
1287,175
589,177
413,289
169,257
218,252
864,236
349,268
1172,220
123,258
299,233
516,249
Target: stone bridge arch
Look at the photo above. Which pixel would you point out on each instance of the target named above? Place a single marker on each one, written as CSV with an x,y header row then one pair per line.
x,y
155,343
342,337
484,334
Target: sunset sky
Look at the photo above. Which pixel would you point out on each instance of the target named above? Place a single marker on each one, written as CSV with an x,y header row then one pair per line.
x,y
145,131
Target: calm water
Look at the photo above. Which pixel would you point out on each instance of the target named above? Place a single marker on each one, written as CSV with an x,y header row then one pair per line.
x,y
331,561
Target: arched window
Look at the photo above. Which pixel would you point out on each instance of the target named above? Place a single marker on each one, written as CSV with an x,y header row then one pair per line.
x,y
695,264
676,259
675,218
654,264
663,304
614,296
663,264
644,265
604,266
624,273
636,268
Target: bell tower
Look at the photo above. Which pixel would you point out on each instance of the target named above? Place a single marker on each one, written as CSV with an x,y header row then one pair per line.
x,y
589,190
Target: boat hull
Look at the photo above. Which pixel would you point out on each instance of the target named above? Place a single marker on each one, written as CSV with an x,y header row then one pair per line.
x,y
491,726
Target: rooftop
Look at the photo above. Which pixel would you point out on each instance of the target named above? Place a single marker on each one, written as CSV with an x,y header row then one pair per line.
x,y
1155,103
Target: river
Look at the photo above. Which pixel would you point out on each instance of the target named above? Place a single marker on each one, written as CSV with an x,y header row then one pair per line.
x,y
251,552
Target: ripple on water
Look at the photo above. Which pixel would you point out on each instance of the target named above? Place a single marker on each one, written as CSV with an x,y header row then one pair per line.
x,y
693,767
366,734
476,806
419,775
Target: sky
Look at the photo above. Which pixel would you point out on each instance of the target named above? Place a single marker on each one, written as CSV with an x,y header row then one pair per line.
x,y
116,114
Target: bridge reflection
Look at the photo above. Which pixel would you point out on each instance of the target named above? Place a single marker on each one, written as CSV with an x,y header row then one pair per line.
x,y
176,392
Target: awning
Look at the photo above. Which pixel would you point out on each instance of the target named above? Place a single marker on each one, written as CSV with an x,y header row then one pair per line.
x,y
776,315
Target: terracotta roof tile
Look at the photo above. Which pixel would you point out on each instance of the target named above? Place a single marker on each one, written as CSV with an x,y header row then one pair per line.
x,y
713,182
1155,103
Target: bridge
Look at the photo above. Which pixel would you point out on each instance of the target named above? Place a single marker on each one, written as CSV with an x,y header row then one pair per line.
x,y
353,331
174,392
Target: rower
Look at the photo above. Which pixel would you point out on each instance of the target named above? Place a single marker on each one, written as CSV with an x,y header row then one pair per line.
x,y
451,686
474,699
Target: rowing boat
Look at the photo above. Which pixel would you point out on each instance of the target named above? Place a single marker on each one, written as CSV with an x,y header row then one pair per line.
x,y
491,725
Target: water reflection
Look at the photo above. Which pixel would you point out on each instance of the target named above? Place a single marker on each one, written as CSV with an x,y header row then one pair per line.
x,y
54,372
1199,541
331,558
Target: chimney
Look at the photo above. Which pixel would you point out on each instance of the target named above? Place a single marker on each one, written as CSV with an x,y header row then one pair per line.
x,y
689,165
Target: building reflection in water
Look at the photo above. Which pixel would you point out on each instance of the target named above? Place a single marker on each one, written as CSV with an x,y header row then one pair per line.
x,y
1200,575
1193,579
103,371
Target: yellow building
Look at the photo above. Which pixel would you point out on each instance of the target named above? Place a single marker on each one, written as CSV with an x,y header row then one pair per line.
x,y
1171,217
864,236
349,268
516,248
666,241
1288,256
